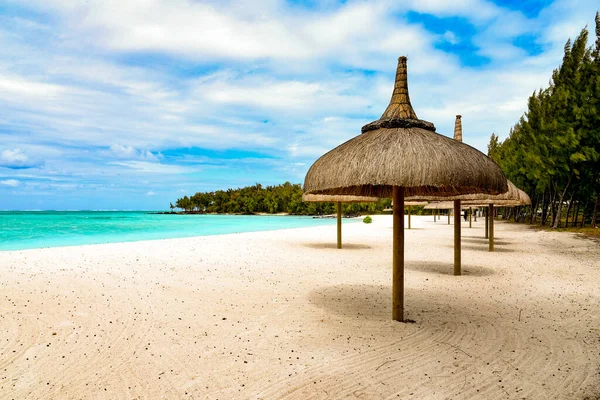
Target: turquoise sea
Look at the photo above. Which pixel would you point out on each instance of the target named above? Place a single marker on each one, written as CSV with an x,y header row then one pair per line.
x,y
36,229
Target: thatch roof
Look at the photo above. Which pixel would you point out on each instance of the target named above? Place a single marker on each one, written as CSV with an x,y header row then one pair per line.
x,y
401,150
514,195
521,199
524,197
510,196
443,205
415,203
322,198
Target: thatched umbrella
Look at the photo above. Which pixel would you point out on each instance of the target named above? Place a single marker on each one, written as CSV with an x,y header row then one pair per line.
x,y
512,198
508,196
321,198
455,206
413,203
440,205
387,160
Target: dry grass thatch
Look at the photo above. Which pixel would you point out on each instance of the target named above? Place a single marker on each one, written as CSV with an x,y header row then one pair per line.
x,y
322,198
415,203
424,162
514,196
521,199
524,197
443,205
400,150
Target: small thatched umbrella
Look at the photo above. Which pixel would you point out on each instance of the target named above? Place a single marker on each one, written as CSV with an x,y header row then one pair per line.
x,y
510,195
514,197
387,161
413,203
449,206
321,198
440,205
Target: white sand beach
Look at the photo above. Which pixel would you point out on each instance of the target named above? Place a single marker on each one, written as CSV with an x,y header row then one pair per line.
x,y
284,314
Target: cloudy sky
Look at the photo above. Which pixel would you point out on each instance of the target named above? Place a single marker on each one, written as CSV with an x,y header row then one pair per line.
x,y
129,104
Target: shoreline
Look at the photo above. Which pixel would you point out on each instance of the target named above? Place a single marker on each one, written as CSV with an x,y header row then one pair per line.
x,y
284,313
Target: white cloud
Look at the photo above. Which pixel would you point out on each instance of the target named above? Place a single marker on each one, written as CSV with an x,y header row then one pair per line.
x,y
10,182
148,167
228,30
16,156
290,96
451,38
475,10
129,152
16,159
150,193
19,86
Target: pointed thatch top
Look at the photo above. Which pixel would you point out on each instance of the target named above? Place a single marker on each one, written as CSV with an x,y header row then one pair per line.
x,y
400,107
399,113
458,128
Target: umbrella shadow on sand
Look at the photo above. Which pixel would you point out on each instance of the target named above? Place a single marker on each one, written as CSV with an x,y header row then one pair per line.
x,y
485,241
446,268
345,246
367,302
370,302
483,247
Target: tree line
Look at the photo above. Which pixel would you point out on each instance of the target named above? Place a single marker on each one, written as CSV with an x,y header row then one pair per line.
x,y
553,151
285,198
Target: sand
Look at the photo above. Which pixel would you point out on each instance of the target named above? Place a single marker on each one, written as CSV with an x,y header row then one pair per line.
x,y
284,314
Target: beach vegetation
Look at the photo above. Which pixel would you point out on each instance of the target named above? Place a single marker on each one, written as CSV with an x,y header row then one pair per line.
x,y
553,151
283,199
367,219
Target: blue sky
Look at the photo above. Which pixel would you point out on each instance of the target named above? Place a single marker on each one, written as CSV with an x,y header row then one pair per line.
x,y
131,104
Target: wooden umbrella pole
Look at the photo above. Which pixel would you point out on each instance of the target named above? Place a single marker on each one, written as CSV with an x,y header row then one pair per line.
x,y
470,216
408,217
456,237
487,212
434,215
339,224
491,227
398,255
449,217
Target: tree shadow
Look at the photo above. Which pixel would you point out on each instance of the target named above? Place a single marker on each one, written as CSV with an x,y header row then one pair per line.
x,y
345,246
442,268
